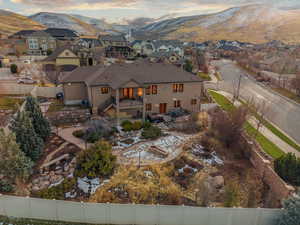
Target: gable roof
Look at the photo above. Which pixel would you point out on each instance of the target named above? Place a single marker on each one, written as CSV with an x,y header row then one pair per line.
x,y
39,33
56,53
61,33
24,33
142,72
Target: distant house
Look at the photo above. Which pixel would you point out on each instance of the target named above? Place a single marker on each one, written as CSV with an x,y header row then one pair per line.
x,y
143,48
89,42
135,89
169,45
39,42
62,56
170,57
113,40
4,61
62,34
23,34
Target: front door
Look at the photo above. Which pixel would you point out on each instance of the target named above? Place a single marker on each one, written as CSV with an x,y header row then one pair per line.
x,y
163,108
128,93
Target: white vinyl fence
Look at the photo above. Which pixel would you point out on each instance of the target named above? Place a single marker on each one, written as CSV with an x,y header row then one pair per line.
x,y
32,208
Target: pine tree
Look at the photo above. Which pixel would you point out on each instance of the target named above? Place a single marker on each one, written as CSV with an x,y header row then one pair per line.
x,y
14,164
40,123
291,214
30,143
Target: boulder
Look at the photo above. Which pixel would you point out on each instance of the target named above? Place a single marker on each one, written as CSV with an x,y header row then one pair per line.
x,y
218,182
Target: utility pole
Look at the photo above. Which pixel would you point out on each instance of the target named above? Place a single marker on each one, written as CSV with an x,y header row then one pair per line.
x,y
237,92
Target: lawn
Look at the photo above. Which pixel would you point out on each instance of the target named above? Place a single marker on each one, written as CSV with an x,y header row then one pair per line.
x,y
9,103
287,94
268,146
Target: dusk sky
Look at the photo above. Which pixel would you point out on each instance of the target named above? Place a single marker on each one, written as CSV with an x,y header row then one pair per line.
x,y
118,10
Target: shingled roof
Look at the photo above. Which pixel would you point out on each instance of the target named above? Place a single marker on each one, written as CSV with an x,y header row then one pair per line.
x,y
56,53
142,72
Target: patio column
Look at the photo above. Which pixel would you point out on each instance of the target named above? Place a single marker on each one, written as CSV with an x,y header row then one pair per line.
x,y
118,106
144,104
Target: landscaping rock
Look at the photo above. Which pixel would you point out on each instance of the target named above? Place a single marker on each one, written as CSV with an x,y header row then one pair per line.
x,y
218,182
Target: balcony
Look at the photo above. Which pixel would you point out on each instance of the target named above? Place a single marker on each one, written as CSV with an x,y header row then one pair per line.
x,y
127,103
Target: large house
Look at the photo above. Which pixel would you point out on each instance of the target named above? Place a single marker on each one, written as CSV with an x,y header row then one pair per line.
x,y
135,89
39,43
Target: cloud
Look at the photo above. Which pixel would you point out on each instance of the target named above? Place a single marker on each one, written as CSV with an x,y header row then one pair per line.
x,y
78,4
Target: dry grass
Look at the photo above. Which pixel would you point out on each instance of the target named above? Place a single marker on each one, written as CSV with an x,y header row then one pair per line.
x,y
147,185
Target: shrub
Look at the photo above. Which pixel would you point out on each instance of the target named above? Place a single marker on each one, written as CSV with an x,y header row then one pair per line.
x,y
5,186
288,168
97,161
291,212
151,133
127,125
232,193
13,68
125,122
58,192
78,133
146,124
94,136
137,125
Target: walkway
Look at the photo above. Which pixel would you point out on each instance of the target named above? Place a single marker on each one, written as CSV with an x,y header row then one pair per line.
x,y
67,134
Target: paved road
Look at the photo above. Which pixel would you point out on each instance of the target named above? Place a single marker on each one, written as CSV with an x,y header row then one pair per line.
x,y
282,113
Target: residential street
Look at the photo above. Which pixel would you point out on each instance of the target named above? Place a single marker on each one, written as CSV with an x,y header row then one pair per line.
x,y
282,113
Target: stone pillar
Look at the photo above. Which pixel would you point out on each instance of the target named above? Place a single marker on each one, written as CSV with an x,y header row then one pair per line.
x,y
144,104
118,106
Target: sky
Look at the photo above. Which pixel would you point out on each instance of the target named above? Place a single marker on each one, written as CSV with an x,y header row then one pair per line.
x,y
123,10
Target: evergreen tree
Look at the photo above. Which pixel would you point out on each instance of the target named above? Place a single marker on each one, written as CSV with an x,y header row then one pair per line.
x,y
14,164
40,123
30,143
291,214
288,168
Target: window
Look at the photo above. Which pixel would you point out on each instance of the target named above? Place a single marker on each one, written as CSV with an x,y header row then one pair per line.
x,y
154,89
178,88
177,104
148,90
148,107
194,101
104,90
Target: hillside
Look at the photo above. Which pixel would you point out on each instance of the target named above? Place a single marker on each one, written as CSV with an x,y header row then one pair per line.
x,y
253,23
12,22
60,20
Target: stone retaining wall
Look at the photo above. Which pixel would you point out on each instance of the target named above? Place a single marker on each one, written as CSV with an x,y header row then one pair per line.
x,y
70,116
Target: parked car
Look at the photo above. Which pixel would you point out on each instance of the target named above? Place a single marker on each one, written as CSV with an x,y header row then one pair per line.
x,y
26,80
27,61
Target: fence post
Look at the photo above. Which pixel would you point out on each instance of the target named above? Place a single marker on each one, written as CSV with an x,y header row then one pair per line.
x,y
83,212
182,214
158,214
134,212
29,206
3,206
257,216
56,210
108,219
229,218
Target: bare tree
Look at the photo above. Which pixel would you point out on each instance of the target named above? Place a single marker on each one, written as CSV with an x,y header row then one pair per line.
x,y
295,83
259,110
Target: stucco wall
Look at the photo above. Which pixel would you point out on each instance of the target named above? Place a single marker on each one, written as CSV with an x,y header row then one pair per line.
x,y
74,93
68,61
165,94
98,99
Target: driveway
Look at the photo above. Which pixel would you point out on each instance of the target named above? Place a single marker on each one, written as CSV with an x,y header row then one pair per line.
x,y
283,113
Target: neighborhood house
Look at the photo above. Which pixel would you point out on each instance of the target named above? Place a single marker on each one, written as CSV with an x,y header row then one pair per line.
x,y
135,89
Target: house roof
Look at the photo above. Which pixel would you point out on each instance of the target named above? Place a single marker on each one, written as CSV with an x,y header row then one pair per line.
x,y
39,33
112,38
142,72
24,33
61,32
56,53
174,43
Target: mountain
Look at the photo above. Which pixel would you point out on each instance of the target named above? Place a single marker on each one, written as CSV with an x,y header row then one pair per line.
x,y
251,23
13,22
60,20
